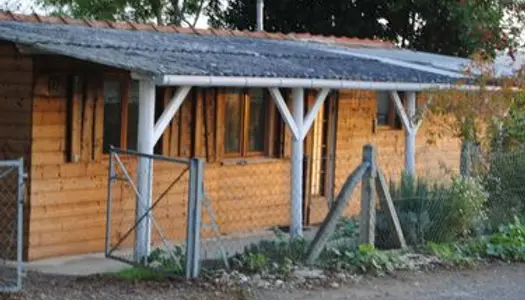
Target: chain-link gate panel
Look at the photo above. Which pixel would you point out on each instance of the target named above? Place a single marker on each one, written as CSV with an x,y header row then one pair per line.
x,y
147,229
11,220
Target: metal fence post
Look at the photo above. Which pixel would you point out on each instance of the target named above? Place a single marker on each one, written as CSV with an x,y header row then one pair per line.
x,y
20,223
111,176
195,194
368,210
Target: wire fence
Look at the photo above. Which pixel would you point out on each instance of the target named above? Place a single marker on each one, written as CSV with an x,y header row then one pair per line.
x,y
11,222
246,204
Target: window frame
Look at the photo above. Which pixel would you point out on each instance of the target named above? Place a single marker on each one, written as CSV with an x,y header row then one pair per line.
x,y
393,120
125,94
245,98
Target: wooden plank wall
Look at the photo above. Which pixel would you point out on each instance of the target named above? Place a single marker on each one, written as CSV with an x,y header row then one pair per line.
x,y
356,114
16,80
68,199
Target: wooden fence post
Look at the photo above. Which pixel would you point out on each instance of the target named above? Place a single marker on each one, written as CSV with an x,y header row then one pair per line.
x,y
384,195
368,211
330,223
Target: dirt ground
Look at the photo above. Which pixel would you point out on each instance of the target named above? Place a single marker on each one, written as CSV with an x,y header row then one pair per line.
x,y
499,281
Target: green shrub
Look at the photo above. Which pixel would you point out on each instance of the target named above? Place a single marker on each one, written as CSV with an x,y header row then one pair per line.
x,y
433,212
173,262
278,255
508,243
365,259
504,183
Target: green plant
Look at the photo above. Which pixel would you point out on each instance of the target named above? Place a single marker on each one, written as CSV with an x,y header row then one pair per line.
x,y
278,255
508,243
346,228
455,253
434,212
504,182
140,274
365,259
172,262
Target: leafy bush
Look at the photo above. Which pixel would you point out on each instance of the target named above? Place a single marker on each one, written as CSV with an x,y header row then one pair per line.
x,y
507,244
172,262
433,212
504,182
278,255
364,260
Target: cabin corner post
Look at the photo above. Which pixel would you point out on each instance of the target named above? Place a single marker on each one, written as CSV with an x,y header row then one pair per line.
x,y
410,135
296,229
145,144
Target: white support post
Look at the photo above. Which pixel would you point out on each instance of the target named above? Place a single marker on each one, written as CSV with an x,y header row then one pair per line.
x,y
299,128
296,229
146,124
169,112
408,119
410,136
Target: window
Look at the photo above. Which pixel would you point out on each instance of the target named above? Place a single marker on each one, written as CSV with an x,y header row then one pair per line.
x,y
386,115
245,122
120,114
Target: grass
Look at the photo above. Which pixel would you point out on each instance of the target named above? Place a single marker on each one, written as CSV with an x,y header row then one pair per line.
x,y
140,274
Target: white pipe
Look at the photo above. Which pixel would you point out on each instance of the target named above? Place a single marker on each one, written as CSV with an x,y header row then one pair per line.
x,y
169,112
144,168
296,229
264,82
260,15
312,114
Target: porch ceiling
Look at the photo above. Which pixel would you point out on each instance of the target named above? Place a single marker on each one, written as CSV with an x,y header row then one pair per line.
x,y
159,53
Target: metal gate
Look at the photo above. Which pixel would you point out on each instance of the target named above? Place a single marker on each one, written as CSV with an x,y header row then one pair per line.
x,y
11,222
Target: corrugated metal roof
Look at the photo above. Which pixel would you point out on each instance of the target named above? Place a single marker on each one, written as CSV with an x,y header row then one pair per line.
x,y
161,53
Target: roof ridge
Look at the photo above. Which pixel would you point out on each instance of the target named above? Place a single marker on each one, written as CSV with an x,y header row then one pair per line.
x,y
127,25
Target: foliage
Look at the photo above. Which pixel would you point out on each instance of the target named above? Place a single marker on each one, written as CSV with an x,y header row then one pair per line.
x,y
504,182
507,244
140,274
366,259
176,12
445,26
172,262
434,212
346,228
278,255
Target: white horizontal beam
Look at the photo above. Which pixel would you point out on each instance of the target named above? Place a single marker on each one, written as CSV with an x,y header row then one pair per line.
x,y
169,112
264,82
312,114
285,112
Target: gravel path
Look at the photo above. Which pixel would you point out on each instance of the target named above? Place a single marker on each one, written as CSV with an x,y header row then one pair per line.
x,y
501,282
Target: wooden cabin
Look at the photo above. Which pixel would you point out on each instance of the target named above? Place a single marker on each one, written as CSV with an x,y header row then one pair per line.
x,y
61,110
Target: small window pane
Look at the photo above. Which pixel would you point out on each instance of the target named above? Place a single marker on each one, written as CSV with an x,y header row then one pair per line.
x,y
232,119
256,121
112,108
383,108
133,115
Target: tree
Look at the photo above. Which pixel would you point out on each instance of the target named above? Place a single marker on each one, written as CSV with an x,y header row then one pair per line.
x,y
455,27
177,12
